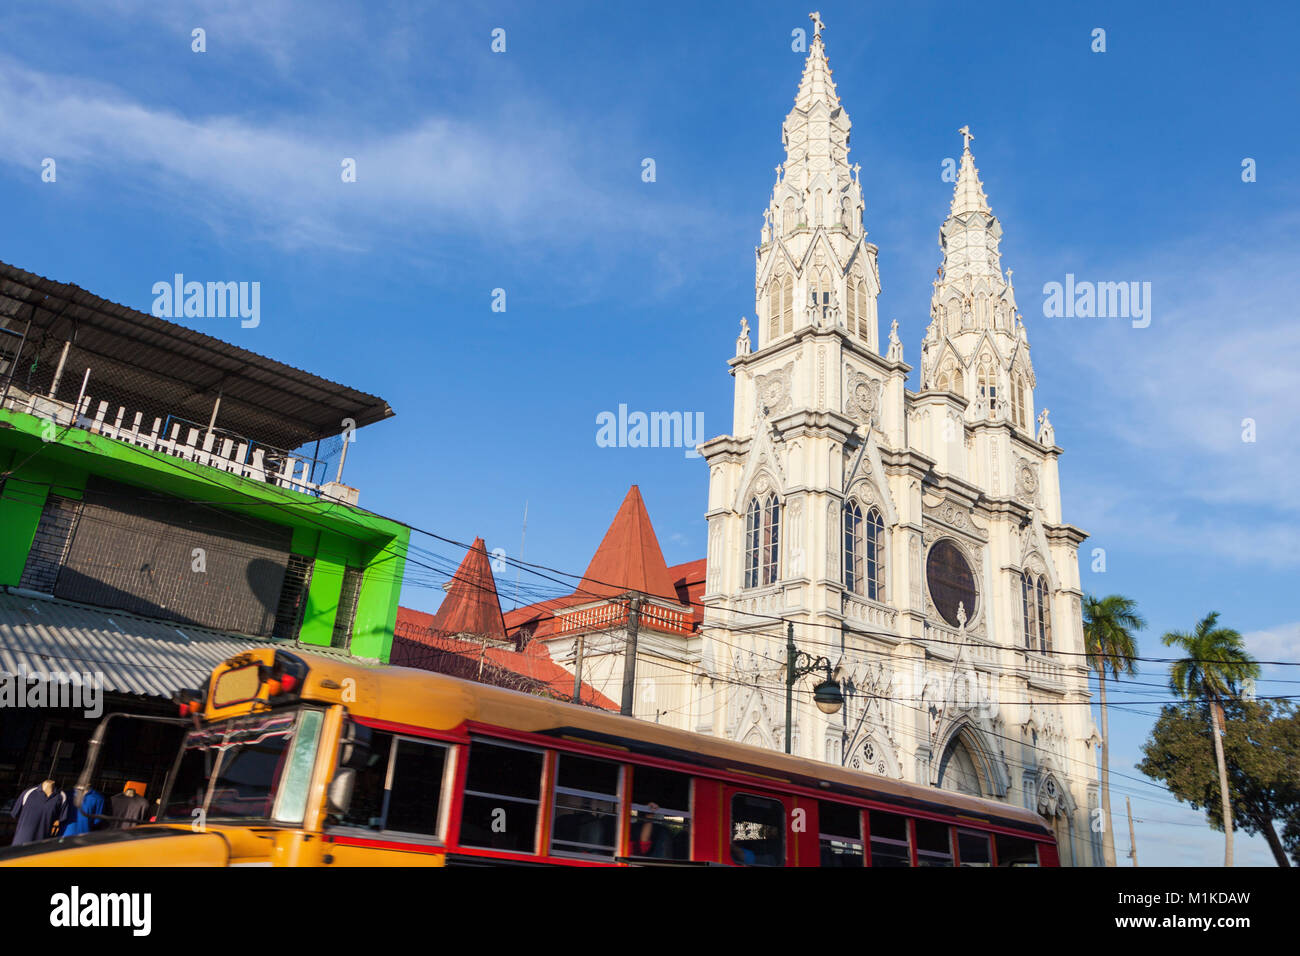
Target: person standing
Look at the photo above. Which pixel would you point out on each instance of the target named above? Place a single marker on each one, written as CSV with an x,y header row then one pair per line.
x,y
38,810
85,818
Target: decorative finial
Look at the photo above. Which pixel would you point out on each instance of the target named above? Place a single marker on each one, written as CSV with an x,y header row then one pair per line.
x,y
742,341
966,137
816,18
961,615
857,169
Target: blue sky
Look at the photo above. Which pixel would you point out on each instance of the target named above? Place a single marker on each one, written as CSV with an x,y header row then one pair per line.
x,y
522,171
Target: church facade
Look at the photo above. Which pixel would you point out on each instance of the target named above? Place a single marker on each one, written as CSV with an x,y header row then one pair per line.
x,y
915,539
912,540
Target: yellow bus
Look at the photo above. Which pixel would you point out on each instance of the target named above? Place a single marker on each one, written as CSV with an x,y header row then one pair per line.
x,y
296,759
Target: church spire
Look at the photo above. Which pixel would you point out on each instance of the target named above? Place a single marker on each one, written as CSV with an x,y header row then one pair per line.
x,y
969,196
975,345
970,235
815,267
816,131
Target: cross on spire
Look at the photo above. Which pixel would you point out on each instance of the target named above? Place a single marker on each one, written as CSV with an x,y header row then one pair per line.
x,y
966,137
816,18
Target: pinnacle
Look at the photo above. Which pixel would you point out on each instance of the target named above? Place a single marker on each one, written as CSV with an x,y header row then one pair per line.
x,y
968,196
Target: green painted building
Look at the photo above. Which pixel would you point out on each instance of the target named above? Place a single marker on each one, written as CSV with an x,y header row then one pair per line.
x,y
163,472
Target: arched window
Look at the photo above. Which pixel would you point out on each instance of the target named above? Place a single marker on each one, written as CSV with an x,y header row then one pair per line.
x,y
1044,617
875,555
950,380
851,305
762,541
846,213
852,547
866,312
988,386
773,309
1035,602
788,217
821,291
787,304
864,552
1018,397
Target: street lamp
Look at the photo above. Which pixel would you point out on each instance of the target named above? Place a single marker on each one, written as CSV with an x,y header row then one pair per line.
x,y
826,695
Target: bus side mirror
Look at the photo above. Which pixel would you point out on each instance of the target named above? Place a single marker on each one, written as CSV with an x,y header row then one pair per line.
x,y
339,796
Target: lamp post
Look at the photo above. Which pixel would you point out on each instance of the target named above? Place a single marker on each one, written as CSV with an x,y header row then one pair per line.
x,y
826,695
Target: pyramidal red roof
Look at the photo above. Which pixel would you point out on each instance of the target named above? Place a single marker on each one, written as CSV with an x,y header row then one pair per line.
x,y
471,605
629,558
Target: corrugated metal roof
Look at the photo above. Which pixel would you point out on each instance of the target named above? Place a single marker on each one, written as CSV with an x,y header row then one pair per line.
x,y
135,655
265,399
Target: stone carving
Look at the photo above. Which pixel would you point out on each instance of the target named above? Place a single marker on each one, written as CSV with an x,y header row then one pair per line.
x,y
774,391
794,537
914,569
1026,481
834,533
742,342
821,377
863,401
715,555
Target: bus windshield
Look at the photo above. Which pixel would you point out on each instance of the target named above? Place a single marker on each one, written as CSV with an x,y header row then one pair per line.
x,y
256,767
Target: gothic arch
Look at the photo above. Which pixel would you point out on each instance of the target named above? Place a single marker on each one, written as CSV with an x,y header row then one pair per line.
x,y
965,748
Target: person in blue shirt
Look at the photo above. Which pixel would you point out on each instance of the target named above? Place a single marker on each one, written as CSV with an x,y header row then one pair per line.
x,y
84,817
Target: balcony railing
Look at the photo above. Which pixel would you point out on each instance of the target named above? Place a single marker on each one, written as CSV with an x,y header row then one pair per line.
x,y
176,438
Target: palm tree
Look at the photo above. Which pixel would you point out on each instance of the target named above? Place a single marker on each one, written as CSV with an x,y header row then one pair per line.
x,y
1108,626
1215,667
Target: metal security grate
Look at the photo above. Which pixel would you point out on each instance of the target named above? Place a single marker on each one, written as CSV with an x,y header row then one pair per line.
x,y
347,612
293,597
50,544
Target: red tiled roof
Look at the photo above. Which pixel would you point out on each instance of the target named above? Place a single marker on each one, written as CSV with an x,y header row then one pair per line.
x,y
416,643
688,579
471,605
628,558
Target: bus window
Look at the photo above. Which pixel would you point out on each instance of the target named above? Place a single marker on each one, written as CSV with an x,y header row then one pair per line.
x,y
933,844
586,806
1015,851
973,848
400,787
661,815
757,830
503,787
890,845
841,834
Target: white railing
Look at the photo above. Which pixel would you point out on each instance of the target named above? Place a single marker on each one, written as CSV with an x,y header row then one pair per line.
x,y
181,441
869,614
1044,670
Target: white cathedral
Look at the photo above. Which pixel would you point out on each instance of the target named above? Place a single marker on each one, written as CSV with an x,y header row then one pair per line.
x,y
915,538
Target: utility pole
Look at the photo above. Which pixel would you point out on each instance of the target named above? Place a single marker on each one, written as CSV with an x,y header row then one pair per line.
x,y
1132,840
629,659
577,672
789,680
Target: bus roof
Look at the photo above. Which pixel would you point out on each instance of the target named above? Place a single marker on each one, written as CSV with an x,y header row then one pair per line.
x,y
426,699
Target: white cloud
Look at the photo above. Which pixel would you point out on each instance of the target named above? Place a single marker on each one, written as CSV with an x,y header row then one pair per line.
x,y
517,177
1223,346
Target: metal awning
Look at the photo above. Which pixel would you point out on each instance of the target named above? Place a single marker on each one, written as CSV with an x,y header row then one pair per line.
x,y
268,400
148,657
